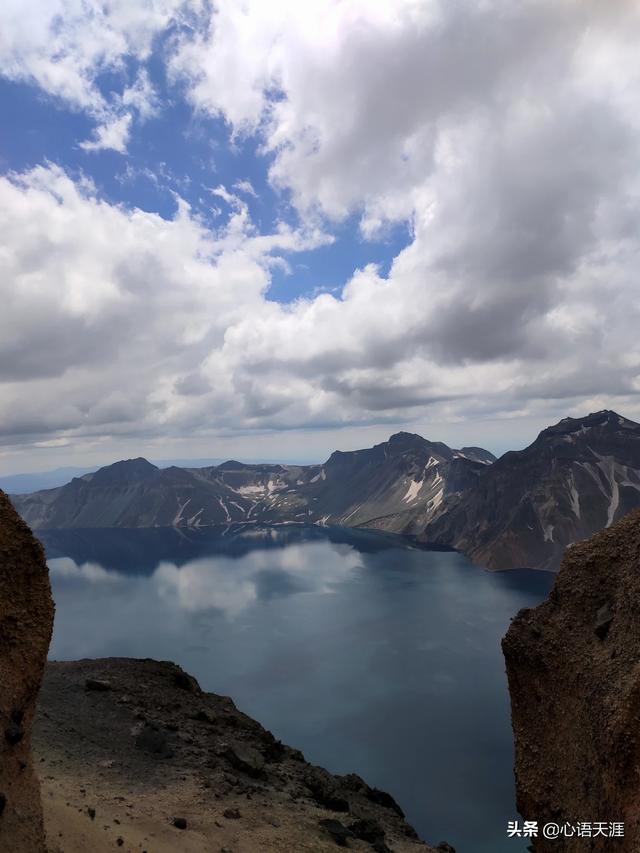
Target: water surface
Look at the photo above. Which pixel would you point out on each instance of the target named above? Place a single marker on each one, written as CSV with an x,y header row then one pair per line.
x,y
368,654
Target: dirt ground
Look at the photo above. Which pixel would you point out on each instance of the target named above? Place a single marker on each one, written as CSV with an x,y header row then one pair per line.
x,y
124,748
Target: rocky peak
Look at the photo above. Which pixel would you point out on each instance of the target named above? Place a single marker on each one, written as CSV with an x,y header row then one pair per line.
x,y
476,454
124,472
598,423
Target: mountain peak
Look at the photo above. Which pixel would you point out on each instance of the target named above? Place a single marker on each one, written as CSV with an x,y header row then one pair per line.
x,y
606,418
125,471
407,439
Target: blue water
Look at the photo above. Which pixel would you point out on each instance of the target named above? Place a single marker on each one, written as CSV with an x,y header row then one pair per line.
x,y
369,654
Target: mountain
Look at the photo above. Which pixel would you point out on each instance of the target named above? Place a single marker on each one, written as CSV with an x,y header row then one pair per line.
x,y
577,478
399,485
22,484
521,510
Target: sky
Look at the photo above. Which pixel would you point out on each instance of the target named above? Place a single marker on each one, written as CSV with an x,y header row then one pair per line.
x,y
231,228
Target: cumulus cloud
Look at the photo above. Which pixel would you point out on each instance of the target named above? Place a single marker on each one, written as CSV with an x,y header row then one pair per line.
x,y
114,135
110,312
505,134
117,322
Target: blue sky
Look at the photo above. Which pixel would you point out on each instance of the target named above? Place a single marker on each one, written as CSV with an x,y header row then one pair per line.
x,y
179,152
229,230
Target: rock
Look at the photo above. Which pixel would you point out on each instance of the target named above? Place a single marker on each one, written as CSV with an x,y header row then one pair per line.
x,y
203,716
575,707
246,758
185,682
380,846
324,790
13,733
232,814
26,618
96,685
336,830
444,847
152,740
368,829
384,799
179,822
604,619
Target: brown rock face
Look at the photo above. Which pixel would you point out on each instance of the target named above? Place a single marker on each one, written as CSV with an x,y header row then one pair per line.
x,y
26,619
573,665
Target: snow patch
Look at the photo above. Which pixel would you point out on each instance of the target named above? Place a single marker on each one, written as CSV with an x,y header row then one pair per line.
x,y
181,508
412,491
436,500
353,512
608,467
195,520
224,507
575,497
250,490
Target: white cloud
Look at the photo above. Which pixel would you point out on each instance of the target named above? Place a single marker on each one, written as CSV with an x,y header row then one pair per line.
x,y
505,134
109,310
114,136
245,187
120,323
63,46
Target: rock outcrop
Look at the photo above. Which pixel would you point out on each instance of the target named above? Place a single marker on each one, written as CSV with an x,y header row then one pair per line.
x,y
26,619
135,755
573,665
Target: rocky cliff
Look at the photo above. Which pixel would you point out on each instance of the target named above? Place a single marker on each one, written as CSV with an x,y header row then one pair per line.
x,y
135,756
574,677
26,618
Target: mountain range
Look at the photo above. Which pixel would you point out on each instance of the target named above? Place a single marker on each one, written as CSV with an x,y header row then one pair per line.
x,y
521,510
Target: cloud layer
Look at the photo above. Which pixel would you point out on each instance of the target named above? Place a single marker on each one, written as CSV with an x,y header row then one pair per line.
x,y
506,135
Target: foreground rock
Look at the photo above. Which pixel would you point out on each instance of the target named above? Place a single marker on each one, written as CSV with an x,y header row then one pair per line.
x,y
26,618
574,678
153,763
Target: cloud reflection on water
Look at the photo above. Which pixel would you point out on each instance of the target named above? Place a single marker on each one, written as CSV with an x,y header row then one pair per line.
x,y
224,583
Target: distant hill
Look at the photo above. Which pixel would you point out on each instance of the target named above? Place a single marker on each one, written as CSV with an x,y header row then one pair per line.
x,y
22,484
522,510
398,485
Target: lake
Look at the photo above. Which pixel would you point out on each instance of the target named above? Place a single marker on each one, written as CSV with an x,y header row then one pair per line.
x,y
370,654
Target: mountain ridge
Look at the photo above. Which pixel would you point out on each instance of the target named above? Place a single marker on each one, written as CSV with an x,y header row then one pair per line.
x,y
522,510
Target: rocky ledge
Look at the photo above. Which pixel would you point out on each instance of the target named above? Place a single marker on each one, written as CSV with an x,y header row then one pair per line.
x,y
133,755
574,677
